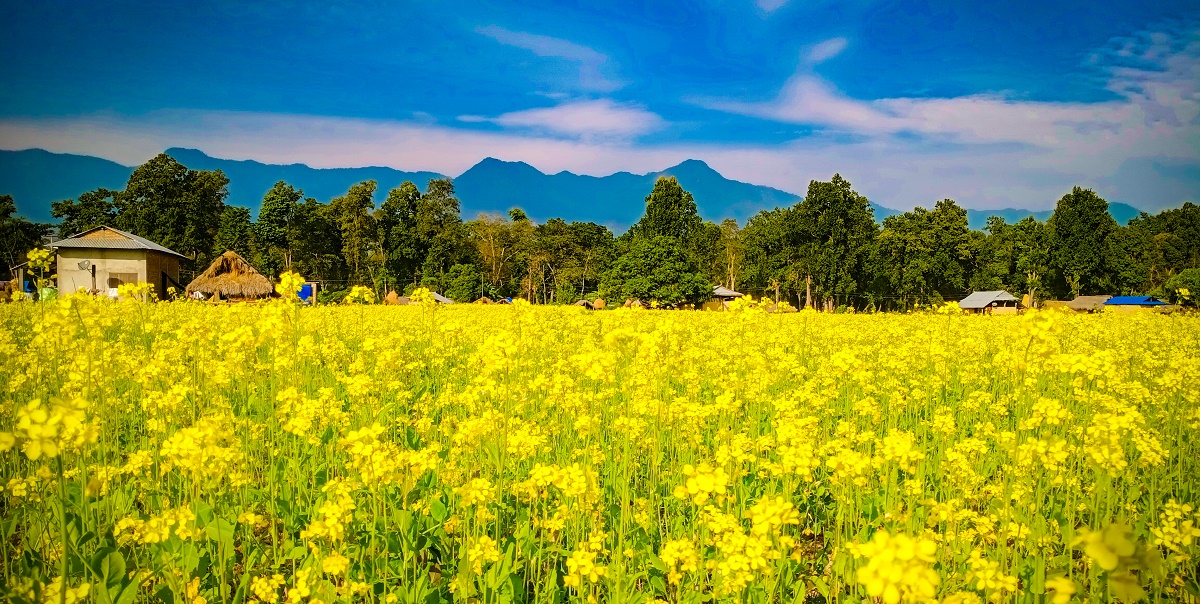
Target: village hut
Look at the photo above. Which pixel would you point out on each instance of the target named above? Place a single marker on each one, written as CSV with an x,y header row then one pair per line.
x,y
585,304
725,294
483,300
102,258
997,302
599,304
721,297
230,277
1088,303
1133,303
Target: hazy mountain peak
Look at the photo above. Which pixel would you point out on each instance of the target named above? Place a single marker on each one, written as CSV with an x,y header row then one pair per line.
x,y
36,178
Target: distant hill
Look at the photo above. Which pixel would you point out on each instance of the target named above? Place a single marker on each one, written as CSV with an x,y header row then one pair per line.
x,y
36,178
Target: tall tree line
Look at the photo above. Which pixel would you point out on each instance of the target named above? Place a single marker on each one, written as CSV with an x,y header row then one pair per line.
x,y
826,251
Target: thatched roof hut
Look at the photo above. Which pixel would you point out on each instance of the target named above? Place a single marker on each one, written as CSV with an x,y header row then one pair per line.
x,y
231,277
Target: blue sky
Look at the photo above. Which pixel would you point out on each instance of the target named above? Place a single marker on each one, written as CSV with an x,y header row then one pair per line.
x,y
992,104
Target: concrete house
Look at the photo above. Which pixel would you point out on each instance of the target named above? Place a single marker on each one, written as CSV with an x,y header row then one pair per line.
x,y
102,258
990,302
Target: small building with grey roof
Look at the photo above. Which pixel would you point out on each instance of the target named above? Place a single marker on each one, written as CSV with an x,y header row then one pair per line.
x,y
100,259
997,302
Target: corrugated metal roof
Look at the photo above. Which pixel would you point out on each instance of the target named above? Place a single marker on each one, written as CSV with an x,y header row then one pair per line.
x,y
441,298
1134,301
127,241
983,299
724,292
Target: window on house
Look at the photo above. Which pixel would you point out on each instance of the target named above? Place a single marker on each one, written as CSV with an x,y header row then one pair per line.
x,y
116,279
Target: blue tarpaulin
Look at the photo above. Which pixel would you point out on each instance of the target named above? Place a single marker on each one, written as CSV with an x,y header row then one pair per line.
x,y
1133,301
306,291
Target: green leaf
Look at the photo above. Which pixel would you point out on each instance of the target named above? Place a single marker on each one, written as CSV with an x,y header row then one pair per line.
x,y
822,586
438,510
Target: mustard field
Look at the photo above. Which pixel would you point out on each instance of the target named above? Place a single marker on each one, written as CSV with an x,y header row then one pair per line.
x,y
187,453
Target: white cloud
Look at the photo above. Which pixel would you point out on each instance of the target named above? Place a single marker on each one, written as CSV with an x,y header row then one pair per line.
x,y
1156,114
771,6
588,119
826,50
592,64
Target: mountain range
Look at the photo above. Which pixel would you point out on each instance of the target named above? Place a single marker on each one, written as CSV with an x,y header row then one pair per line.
x,y
36,178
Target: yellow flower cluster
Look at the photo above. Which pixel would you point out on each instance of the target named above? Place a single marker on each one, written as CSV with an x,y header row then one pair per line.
x,y
702,483
157,529
1177,528
484,551
334,514
582,566
266,588
359,294
289,285
898,568
207,452
43,431
680,557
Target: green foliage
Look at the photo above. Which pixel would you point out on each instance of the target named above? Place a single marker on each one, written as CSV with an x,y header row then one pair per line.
x,y
924,254
317,242
92,209
17,236
1184,288
171,205
352,212
655,269
837,229
825,250
1079,231
670,211
397,218
275,231
462,283
235,232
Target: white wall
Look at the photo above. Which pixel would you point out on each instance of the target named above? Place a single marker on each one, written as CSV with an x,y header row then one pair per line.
x,y
71,278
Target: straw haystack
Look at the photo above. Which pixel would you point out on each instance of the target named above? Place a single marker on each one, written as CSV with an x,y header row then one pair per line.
x,y
232,278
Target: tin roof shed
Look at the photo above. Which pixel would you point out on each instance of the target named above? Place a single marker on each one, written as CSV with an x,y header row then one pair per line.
x,y
979,300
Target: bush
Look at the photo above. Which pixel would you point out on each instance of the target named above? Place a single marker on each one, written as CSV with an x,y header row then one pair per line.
x,y
1184,288
331,296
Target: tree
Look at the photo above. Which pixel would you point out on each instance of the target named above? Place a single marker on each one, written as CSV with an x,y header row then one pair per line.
x,y
171,205
274,229
461,283
397,220
92,209
777,254
924,253
438,228
838,229
352,213
594,251
1079,231
654,268
670,211
730,253
317,242
497,243
17,235
235,232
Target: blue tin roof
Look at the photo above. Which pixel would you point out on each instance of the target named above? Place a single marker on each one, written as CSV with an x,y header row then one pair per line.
x,y
1133,301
